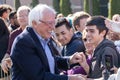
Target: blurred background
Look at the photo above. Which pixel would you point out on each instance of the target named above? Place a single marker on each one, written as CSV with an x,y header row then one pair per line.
x,y
106,8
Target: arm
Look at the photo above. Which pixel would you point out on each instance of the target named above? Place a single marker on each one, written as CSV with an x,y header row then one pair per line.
x,y
6,63
83,62
114,26
27,62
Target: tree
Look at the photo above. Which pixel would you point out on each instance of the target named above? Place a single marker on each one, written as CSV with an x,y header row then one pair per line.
x,y
96,8
34,3
114,7
17,4
86,6
92,7
56,5
104,7
65,7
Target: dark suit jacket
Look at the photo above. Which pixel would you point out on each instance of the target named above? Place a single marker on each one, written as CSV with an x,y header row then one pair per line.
x,y
4,37
29,59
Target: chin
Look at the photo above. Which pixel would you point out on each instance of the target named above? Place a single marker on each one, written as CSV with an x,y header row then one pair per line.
x,y
49,36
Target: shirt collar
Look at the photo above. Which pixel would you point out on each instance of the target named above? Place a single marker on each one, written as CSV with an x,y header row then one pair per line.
x,y
41,38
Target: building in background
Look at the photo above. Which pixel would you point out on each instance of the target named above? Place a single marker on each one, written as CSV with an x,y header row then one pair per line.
x,y
2,1
76,5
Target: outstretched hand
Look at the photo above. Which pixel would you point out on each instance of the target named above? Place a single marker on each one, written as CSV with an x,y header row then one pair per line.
x,y
112,25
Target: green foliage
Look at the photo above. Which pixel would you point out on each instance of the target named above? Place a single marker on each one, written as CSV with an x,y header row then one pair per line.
x,y
114,7
86,6
96,9
65,7
34,3
17,4
56,5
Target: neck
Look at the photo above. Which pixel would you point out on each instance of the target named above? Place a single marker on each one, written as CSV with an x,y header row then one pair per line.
x,y
22,27
99,42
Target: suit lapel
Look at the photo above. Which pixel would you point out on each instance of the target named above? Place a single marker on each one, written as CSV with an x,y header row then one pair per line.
x,y
50,44
41,52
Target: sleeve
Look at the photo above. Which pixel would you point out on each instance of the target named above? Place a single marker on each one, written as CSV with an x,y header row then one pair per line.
x,y
63,63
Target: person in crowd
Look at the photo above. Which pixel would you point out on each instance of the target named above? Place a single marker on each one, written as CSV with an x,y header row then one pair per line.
x,y
31,53
65,35
67,38
79,21
13,21
4,32
89,52
4,12
22,17
96,31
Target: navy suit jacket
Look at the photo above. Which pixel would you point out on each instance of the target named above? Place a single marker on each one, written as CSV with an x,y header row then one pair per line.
x,y
30,61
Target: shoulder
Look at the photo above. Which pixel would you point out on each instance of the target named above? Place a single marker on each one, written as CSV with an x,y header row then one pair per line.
x,y
1,20
16,32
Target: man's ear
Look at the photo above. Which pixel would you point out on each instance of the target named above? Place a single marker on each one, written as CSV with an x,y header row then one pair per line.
x,y
71,30
34,23
103,33
77,27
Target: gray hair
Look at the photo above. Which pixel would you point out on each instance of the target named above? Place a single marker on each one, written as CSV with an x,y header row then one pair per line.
x,y
23,8
36,13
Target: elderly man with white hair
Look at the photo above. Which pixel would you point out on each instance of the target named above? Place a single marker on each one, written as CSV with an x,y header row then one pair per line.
x,y
32,54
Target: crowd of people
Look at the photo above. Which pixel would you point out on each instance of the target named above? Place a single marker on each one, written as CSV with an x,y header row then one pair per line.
x,y
39,44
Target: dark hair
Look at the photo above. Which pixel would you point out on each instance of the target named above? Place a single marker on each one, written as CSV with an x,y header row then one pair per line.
x,y
99,22
62,21
4,8
11,15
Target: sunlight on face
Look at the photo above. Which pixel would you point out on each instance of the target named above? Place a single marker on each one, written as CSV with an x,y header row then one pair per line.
x,y
63,34
46,25
93,35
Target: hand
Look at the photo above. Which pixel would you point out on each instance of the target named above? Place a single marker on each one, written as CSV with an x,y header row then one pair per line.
x,y
108,23
6,64
77,77
83,62
113,26
75,58
115,69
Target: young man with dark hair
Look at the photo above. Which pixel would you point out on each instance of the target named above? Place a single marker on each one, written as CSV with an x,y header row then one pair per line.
x,y
96,34
67,38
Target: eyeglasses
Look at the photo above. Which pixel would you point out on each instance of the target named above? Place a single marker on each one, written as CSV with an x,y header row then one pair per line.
x,y
49,23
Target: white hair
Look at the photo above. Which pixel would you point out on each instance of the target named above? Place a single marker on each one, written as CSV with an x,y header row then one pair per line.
x,y
21,8
37,12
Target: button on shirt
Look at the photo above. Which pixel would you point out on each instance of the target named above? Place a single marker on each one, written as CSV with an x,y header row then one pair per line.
x,y
48,53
